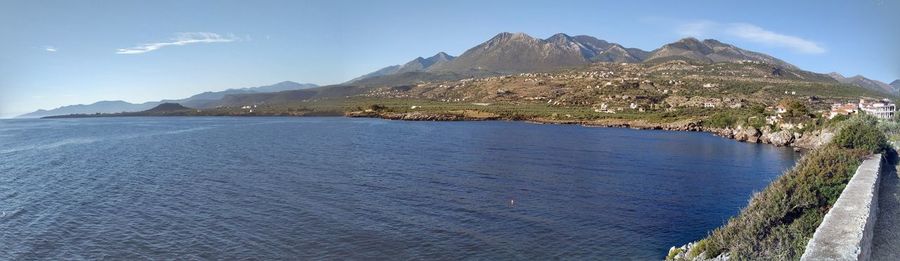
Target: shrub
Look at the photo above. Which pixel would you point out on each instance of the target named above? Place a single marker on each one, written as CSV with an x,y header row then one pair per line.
x,y
780,220
794,108
673,253
861,136
721,120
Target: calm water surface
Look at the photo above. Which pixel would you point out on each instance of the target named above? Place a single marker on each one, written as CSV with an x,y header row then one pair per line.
x,y
340,188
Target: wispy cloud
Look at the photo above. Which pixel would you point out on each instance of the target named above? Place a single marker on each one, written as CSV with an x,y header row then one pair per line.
x,y
757,34
50,49
178,40
749,32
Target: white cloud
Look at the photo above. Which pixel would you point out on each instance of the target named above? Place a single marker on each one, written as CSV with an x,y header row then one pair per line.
x,y
180,39
757,34
50,49
749,32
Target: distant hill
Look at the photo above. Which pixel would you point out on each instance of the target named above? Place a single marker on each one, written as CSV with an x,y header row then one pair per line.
x,y
167,107
163,109
710,51
896,84
416,65
278,87
864,82
97,107
380,72
201,100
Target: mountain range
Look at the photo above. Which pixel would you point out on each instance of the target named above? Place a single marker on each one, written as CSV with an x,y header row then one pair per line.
x,y
867,83
505,53
416,65
198,100
518,52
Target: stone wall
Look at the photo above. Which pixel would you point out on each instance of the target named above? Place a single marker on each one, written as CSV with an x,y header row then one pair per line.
x,y
846,232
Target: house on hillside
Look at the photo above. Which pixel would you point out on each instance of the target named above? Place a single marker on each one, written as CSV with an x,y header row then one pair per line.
x,y
883,109
842,109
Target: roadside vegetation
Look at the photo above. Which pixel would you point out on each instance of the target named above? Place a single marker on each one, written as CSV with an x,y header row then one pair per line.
x,y
779,221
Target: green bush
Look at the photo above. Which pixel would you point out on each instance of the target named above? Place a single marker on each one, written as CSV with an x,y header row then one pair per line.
x,y
721,120
673,253
861,136
780,220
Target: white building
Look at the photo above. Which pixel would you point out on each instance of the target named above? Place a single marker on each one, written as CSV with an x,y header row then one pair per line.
x,y
883,109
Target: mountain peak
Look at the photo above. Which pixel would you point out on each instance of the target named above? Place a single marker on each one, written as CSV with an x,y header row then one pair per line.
x,y
710,51
691,44
439,57
168,107
866,83
506,36
559,37
287,83
689,40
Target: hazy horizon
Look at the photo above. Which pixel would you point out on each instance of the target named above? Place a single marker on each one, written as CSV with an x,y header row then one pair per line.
x,y
80,54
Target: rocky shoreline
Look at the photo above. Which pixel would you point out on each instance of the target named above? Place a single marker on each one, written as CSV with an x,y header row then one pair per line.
x,y
782,138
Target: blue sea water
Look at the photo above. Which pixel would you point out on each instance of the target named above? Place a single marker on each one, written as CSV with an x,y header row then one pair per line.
x,y
343,188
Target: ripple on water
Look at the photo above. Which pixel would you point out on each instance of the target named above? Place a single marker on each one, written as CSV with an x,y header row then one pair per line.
x,y
336,188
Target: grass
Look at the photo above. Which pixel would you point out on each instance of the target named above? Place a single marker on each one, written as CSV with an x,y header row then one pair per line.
x,y
780,220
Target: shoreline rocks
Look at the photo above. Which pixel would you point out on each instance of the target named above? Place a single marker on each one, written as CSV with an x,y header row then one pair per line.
x,y
748,134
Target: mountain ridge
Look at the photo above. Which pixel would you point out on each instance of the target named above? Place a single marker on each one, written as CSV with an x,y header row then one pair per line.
x,y
862,81
509,52
197,100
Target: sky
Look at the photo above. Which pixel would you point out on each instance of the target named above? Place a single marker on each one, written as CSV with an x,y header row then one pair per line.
x,y
56,53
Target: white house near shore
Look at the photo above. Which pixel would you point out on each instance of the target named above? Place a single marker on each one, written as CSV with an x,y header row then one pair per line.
x,y
883,109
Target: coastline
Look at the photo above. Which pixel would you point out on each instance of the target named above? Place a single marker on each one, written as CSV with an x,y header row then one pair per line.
x,y
799,141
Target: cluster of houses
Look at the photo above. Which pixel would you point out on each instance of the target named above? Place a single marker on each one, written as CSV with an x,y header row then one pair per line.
x,y
883,109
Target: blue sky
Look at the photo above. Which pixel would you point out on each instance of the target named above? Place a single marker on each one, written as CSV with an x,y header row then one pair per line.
x,y
57,53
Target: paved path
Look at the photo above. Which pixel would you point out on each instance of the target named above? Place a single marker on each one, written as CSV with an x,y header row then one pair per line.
x,y
886,241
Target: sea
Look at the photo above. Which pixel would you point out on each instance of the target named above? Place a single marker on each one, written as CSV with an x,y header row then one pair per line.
x,y
293,188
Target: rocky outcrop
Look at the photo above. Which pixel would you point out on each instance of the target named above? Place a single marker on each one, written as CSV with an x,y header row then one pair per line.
x,y
466,115
686,253
814,139
778,138
798,140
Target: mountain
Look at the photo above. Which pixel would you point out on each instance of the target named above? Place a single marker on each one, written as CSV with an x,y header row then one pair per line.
x,y
423,64
167,107
864,82
163,109
710,51
604,51
519,52
380,72
416,65
896,84
97,107
278,87
201,100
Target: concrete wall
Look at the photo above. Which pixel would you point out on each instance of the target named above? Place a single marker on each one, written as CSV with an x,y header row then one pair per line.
x,y
846,232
